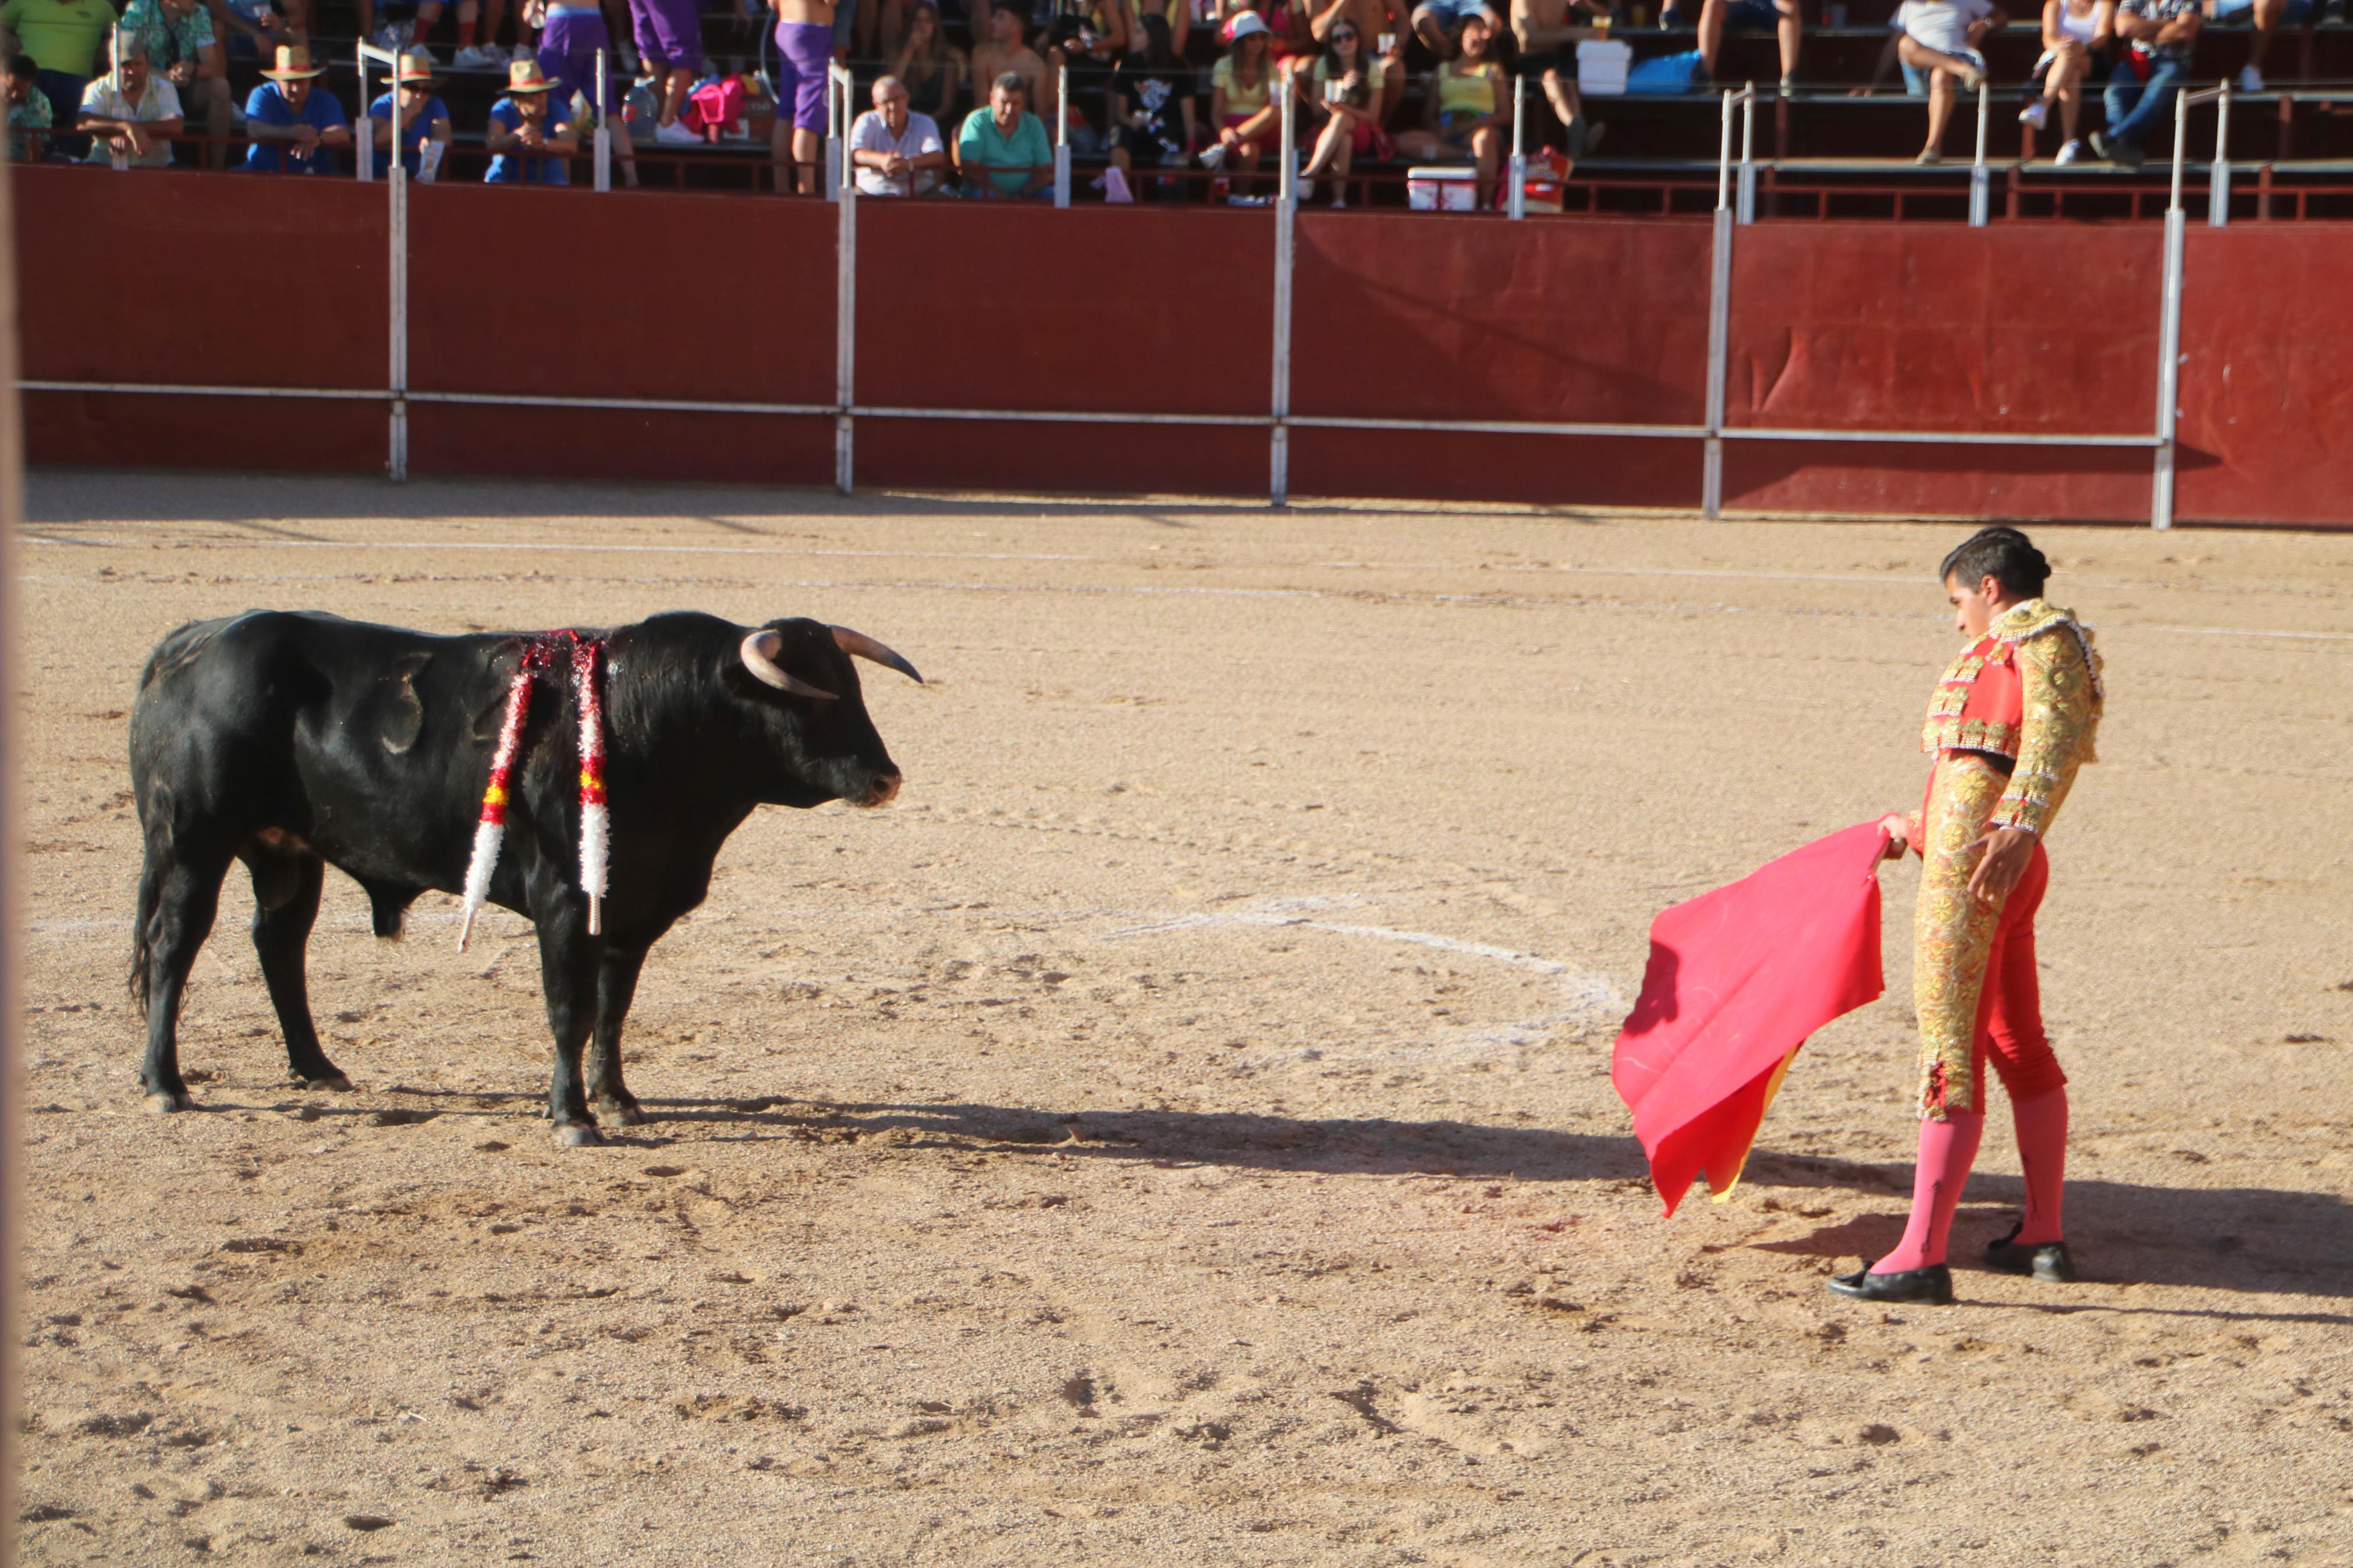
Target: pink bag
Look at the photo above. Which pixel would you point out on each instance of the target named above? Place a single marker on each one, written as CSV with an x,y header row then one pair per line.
x,y
716,109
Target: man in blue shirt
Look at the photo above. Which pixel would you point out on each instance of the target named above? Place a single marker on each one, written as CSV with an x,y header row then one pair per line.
x,y
294,129
424,122
530,134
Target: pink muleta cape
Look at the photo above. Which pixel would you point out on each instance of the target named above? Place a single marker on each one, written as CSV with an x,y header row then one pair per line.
x,y
1739,978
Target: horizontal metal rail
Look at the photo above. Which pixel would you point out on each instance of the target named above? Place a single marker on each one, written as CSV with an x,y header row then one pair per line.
x,y
1101,417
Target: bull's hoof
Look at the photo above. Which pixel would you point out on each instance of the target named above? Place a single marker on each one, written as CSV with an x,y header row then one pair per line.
x,y
163,1102
334,1080
615,1114
576,1135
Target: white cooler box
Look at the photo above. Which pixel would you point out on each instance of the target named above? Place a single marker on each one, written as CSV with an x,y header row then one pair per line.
x,y
1442,188
1601,66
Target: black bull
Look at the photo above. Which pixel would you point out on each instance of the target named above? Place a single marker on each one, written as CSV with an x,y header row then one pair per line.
x,y
296,741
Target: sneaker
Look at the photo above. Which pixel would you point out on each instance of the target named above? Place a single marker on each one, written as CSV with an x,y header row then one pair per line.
x,y
2071,153
1214,157
1929,155
2035,114
479,57
676,135
1972,79
1303,191
2249,80
1339,197
522,52
1250,201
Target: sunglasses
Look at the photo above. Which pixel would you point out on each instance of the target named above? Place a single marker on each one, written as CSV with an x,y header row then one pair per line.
x,y
1343,36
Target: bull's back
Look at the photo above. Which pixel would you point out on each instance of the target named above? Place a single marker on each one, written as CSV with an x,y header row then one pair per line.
x,y
353,738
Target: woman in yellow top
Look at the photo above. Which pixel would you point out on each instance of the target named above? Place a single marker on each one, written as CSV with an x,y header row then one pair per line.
x,y
1343,91
1241,96
1464,113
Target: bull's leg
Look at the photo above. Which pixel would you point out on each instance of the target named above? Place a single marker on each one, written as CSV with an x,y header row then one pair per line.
x,y
567,972
280,935
189,897
616,986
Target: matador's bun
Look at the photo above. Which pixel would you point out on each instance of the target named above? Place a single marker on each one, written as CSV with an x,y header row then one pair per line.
x,y
2003,553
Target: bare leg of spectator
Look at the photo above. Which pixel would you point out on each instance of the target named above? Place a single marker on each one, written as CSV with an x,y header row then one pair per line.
x,y
680,83
1432,33
495,12
1566,103
213,95
1944,71
2063,85
1484,144
1791,32
625,152
1332,146
2266,21
1711,34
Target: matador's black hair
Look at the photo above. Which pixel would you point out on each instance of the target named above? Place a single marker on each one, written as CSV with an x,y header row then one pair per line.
x,y
2003,553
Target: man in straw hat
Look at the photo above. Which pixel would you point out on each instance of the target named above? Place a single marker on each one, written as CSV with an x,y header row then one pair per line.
x,y
530,132
424,120
294,128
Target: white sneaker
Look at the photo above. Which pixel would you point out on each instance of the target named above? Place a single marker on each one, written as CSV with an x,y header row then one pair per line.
x,y
2070,153
676,135
2035,114
1303,191
522,52
1340,198
2249,80
480,58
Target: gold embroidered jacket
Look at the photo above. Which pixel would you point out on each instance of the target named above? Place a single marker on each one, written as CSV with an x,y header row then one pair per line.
x,y
2029,690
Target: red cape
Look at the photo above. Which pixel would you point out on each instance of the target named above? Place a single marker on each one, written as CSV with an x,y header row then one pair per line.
x,y
1738,979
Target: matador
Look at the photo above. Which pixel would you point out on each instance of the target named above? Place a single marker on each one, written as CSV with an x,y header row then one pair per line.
x,y
2010,722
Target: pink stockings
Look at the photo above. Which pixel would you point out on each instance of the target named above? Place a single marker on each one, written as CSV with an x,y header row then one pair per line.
x,y
1947,1150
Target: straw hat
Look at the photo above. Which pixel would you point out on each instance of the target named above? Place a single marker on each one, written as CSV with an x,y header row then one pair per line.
x,y
416,65
524,76
294,65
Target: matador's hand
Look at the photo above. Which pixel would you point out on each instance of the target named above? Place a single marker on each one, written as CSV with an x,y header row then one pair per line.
x,y
1898,832
2007,852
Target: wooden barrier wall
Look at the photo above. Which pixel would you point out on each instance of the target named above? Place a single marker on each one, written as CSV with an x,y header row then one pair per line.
x,y
2019,328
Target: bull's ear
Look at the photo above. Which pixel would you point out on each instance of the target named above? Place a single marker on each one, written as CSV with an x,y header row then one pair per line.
x,y
859,645
759,652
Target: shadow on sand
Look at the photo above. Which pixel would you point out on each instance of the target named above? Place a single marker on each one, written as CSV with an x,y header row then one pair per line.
x,y
2220,1238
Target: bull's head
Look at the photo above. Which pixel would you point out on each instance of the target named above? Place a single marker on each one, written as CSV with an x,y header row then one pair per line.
x,y
835,752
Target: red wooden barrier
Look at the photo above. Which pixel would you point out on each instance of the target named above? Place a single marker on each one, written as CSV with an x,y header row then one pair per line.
x,y
2267,376
2042,330
155,277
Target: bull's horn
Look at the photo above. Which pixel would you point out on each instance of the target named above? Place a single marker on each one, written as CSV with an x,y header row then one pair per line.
x,y
859,645
760,658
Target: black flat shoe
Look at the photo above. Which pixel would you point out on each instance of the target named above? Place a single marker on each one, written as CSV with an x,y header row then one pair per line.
x,y
1932,1285
2046,1260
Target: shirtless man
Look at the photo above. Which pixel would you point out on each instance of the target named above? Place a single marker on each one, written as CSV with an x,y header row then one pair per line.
x,y
1374,19
1546,31
1001,51
804,56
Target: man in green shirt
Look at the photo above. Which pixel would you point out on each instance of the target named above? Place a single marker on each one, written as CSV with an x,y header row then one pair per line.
x,y
1002,149
63,38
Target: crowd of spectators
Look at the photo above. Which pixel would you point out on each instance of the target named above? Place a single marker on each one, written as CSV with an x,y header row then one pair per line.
x,y
968,99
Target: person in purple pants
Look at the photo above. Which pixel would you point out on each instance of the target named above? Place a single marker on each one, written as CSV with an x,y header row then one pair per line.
x,y
568,42
670,36
805,43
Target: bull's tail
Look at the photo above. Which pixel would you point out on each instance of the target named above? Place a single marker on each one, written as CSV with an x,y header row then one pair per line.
x,y
154,865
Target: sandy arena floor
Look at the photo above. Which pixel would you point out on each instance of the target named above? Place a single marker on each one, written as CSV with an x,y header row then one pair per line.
x,y
1178,1131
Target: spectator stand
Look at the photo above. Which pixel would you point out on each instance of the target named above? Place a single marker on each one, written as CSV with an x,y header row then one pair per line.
x,y
1282,415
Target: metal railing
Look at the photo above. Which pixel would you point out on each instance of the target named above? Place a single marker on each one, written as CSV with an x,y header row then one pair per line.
x,y
1736,206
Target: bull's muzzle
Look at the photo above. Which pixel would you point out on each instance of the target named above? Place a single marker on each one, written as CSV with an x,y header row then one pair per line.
x,y
881,789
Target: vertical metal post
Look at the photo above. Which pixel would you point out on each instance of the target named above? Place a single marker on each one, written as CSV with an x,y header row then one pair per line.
x,y
1518,203
836,109
364,163
1982,177
845,340
2168,363
604,132
1747,214
1285,210
2218,190
1719,310
399,465
1062,136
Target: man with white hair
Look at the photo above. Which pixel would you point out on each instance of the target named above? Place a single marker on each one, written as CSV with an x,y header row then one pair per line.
x,y
896,151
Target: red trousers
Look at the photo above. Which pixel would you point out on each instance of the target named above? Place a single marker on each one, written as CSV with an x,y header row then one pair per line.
x,y
2010,1005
